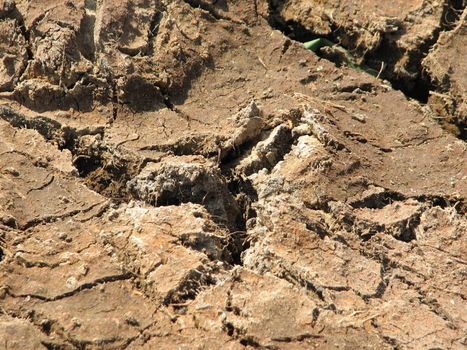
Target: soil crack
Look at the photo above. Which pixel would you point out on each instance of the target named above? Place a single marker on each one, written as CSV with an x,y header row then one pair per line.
x,y
89,285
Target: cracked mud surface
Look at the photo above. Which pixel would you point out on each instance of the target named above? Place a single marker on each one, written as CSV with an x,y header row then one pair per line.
x,y
185,175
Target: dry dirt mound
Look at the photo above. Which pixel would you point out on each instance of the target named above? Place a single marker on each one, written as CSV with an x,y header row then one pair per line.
x,y
186,175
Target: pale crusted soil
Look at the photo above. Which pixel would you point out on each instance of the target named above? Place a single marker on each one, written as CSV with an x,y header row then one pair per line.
x,y
182,175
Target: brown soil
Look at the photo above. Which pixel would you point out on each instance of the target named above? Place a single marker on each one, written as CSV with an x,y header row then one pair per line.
x,y
185,175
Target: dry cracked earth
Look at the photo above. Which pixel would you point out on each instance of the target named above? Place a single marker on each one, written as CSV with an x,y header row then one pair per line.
x,y
184,174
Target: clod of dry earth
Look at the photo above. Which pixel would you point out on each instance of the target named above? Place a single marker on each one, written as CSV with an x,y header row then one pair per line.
x,y
183,175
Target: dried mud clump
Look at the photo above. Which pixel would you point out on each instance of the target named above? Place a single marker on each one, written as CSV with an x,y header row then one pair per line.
x,y
186,179
186,175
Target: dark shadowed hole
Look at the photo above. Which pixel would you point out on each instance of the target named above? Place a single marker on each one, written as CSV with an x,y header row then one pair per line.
x,y
86,164
249,341
46,326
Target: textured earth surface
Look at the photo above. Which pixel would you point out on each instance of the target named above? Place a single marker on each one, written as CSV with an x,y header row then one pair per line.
x,y
186,175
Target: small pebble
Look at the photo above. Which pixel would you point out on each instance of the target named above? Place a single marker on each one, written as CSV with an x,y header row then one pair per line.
x,y
359,117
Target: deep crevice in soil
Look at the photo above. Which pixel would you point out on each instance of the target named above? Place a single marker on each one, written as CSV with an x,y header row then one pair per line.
x,y
245,195
103,169
420,86
416,84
